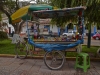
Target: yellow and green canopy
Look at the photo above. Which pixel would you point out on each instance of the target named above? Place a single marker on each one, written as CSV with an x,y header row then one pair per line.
x,y
22,12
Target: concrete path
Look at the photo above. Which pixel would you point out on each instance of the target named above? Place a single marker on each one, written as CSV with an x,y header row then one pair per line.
x,y
15,66
93,42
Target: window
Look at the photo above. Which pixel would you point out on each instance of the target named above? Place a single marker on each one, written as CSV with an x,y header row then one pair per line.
x,y
47,27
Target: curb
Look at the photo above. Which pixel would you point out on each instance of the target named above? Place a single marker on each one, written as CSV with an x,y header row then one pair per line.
x,y
41,57
7,55
91,45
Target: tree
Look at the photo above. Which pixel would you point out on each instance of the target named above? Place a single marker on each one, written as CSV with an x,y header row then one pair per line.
x,y
91,13
8,7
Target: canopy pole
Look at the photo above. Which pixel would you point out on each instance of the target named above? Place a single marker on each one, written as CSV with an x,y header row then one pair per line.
x,y
81,23
27,27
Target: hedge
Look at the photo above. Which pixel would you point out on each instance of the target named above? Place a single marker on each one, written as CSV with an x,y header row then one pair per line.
x,y
3,35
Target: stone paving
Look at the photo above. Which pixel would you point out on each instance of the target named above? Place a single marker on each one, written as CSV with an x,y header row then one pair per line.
x,y
15,66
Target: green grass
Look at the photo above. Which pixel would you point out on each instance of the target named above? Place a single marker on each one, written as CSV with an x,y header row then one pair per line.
x,y
92,49
6,47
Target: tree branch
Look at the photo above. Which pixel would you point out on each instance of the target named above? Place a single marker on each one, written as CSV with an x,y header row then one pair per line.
x,y
4,11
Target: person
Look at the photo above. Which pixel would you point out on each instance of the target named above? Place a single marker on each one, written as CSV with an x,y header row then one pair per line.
x,y
12,33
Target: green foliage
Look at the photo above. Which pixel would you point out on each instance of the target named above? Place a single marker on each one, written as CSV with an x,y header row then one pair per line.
x,y
11,5
91,13
62,21
3,36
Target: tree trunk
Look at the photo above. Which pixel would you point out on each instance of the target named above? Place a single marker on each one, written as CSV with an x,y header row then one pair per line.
x,y
89,37
18,27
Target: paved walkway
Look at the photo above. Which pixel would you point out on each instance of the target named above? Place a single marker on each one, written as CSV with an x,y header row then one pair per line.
x,y
15,66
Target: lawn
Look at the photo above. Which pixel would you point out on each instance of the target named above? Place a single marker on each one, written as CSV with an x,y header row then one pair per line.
x,y
6,47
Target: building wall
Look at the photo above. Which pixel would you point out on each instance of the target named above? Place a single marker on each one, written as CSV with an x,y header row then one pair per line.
x,y
9,25
53,28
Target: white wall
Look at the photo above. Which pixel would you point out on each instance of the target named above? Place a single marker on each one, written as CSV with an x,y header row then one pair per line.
x,y
53,28
9,25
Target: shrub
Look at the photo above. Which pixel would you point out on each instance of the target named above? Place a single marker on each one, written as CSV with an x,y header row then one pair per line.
x,y
3,35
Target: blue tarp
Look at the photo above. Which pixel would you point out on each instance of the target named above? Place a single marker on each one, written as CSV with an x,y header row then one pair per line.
x,y
50,47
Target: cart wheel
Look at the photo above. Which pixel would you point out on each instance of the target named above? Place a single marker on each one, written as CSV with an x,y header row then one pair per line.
x,y
54,60
98,52
21,50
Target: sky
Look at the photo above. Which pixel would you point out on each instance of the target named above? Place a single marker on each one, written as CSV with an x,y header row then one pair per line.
x,y
27,0
31,1
24,0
